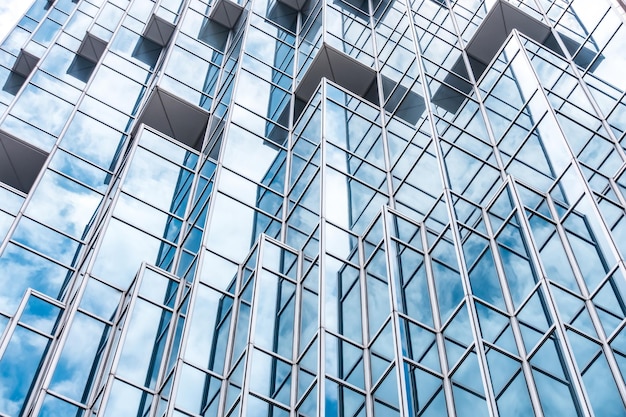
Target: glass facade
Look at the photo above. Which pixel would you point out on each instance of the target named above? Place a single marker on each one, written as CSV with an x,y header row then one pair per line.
x,y
302,208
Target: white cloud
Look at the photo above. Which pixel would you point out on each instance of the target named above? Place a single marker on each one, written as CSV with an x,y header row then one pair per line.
x,y
10,13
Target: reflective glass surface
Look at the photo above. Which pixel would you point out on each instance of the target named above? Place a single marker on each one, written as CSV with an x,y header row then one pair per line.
x,y
342,208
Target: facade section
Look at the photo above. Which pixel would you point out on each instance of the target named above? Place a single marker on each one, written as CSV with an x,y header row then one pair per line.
x,y
302,208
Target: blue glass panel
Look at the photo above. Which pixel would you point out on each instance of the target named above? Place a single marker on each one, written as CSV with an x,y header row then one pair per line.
x,y
555,397
55,407
468,404
23,269
126,400
74,374
40,314
515,401
18,367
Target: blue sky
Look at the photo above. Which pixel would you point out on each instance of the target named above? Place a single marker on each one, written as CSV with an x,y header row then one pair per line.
x,y
10,12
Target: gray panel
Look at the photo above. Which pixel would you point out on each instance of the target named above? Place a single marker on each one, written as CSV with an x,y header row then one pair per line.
x,y
20,163
175,118
497,26
25,63
92,48
294,4
158,30
339,68
226,13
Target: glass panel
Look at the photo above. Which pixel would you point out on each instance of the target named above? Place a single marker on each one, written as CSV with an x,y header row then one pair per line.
x,y
75,372
18,366
40,314
126,400
143,347
33,271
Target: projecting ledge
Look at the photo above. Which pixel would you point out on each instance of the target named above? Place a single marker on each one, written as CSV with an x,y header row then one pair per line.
x,y
294,4
92,48
342,70
482,49
175,118
25,63
225,12
20,162
158,30
496,27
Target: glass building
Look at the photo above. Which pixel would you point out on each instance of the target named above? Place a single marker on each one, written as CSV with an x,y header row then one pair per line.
x,y
302,208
